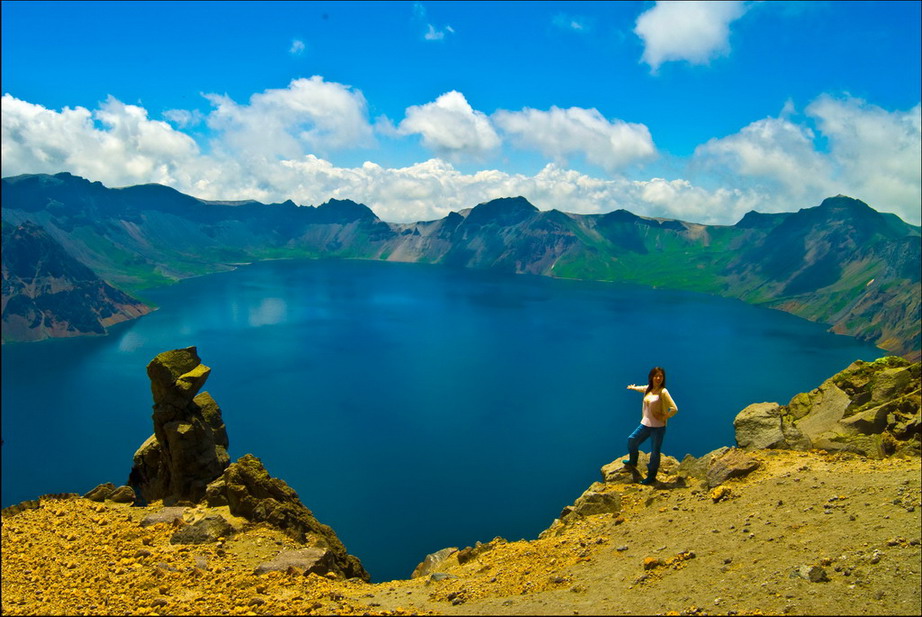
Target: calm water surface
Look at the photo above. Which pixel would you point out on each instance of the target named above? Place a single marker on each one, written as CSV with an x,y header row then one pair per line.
x,y
411,407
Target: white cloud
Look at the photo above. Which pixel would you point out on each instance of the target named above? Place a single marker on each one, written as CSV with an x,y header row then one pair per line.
x,y
432,189
297,47
184,118
773,149
431,32
437,35
310,114
128,149
560,133
451,127
695,32
878,153
873,155
771,165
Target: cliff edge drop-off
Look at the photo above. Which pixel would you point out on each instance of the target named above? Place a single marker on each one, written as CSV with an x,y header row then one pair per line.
x,y
815,511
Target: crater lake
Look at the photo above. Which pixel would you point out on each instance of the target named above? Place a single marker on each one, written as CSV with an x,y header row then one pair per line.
x,y
412,407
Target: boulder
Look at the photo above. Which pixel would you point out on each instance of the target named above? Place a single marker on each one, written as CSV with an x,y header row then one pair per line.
x,y
123,494
188,449
592,502
208,529
433,561
820,410
101,492
733,463
306,560
764,425
870,408
692,467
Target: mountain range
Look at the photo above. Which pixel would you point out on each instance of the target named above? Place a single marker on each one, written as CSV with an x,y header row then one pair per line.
x,y
840,263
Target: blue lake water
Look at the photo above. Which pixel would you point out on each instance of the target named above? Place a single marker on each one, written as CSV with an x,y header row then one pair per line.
x,y
412,407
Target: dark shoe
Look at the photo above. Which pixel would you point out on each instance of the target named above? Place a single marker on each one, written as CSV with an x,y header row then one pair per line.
x,y
627,462
648,481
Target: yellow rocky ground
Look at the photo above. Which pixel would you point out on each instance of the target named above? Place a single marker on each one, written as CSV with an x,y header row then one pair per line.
x,y
763,546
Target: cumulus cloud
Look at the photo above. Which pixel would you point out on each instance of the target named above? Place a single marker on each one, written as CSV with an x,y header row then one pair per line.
x,y
695,32
561,133
432,189
774,149
126,148
310,114
873,155
771,165
450,127
878,153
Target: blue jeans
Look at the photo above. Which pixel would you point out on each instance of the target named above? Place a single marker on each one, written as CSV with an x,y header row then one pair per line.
x,y
640,435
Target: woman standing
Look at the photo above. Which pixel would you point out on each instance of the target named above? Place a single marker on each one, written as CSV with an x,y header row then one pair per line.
x,y
658,407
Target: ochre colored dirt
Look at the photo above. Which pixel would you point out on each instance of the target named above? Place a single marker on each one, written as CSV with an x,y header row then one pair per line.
x,y
683,551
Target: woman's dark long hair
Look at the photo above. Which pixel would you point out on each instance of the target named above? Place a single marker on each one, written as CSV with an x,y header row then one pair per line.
x,y
654,371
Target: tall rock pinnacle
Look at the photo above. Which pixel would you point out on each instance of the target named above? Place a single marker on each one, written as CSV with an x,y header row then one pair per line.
x,y
189,446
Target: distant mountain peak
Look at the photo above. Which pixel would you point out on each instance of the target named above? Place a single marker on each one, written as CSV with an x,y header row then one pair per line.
x,y
503,211
844,201
344,211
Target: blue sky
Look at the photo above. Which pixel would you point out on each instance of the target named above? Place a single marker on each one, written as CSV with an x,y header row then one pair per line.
x,y
693,110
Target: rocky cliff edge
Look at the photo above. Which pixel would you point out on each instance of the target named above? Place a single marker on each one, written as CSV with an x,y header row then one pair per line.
x,y
775,525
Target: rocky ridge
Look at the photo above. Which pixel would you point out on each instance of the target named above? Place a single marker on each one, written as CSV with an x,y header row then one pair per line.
x,y
840,263
49,293
752,529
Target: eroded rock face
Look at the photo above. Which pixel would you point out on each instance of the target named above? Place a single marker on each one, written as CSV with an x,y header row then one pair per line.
x,y
188,449
250,492
870,408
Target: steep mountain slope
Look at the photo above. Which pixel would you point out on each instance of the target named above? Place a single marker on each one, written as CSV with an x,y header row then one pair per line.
x,y
48,293
150,235
840,263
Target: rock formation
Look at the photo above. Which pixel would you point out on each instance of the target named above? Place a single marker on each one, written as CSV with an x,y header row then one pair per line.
x,y
185,462
250,492
870,408
189,446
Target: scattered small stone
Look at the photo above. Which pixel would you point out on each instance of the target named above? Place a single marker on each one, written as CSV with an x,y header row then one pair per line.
x,y
652,562
814,574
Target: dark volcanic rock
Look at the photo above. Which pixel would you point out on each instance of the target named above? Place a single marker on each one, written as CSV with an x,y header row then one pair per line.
x,y
189,446
208,529
250,492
